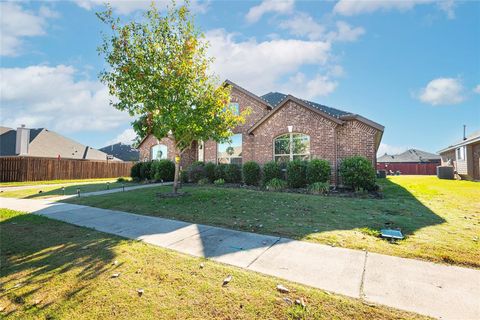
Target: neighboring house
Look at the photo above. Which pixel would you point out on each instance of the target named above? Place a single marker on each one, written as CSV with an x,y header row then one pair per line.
x,y
42,142
122,151
464,156
412,161
281,127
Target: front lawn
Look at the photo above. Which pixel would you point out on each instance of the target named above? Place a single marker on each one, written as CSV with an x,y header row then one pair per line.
x,y
440,218
34,183
53,270
55,191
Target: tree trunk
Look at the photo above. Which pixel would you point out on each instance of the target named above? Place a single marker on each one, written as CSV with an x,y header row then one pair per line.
x,y
176,179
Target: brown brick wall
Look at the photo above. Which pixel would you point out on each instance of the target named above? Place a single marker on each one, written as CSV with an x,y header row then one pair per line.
x,y
189,156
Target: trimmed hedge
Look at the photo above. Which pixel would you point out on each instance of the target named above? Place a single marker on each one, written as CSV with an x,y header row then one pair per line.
x,y
145,171
318,170
296,170
233,173
271,170
135,171
251,173
220,171
196,171
210,171
358,173
163,170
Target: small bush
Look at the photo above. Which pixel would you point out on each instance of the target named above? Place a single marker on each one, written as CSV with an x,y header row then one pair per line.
x,y
210,171
233,174
184,176
318,170
319,188
122,179
163,170
251,173
203,181
219,182
145,170
196,171
358,173
296,173
271,170
276,184
220,170
135,171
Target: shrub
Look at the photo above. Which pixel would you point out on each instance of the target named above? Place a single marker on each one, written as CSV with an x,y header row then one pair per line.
x,y
219,182
184,176
271,170
145,170
196,171
220,171
357,173
163,170
276,184
319,188
210,171
251,173
318,170
135,171
122,179
233,174
203,181
296,173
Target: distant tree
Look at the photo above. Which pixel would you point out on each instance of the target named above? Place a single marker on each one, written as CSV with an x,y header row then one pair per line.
x,y
159,73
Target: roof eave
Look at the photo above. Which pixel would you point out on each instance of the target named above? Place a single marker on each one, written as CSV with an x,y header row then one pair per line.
x,y
369,122
248,93
464,143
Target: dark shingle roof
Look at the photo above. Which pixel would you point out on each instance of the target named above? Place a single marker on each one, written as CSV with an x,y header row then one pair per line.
x,y
121,151
411,155
275,98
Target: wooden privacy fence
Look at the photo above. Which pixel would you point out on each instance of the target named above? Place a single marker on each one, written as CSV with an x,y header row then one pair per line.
x,y
427,168
38,169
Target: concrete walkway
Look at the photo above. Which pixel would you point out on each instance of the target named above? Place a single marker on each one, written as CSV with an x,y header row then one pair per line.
x,y
440,291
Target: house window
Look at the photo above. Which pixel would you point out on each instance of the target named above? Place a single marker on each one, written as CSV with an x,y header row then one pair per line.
x,y
158,152
231,152
460,153
235,108
291,146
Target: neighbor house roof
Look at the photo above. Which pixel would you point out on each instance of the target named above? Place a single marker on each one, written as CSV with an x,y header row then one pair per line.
x,y
472,138
411,155
122,151
45,143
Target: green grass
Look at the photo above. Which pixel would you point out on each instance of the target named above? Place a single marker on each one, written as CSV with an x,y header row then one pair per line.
x,y
440,218
53,270
34,183
54,191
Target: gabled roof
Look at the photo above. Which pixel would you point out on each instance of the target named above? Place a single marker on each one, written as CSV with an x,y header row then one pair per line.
x,y
248,93
411,155
472,138
275,98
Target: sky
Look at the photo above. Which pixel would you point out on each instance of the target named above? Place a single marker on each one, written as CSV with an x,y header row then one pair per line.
x,y
412,65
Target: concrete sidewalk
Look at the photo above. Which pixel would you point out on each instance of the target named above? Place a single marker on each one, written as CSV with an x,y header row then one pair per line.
x,y
441,291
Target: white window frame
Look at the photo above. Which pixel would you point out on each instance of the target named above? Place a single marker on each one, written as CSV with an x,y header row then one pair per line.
x,y
460,153
164,156
291,155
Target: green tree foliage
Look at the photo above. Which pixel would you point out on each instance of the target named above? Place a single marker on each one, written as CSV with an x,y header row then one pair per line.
x,y
158,71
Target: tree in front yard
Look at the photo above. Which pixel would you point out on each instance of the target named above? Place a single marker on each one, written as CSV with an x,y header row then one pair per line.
x,y
159,73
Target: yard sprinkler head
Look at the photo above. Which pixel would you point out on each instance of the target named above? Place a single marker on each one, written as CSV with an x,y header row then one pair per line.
x,y
78,192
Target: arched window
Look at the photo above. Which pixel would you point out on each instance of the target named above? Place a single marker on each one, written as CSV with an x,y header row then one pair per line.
x,y
158,152
291,146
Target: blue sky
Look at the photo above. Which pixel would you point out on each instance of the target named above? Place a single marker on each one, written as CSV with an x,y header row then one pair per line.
x,y
412,65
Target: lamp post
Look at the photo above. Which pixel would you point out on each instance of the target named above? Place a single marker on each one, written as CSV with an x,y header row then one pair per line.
x,y
78,192
108,185
63,190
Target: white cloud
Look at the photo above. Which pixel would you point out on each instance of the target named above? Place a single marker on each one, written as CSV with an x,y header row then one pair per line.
x,y
127,136
278,6
260,65
351,8
300,86
17,23
477,89
51,97
126,7
390,149
303,25
443,91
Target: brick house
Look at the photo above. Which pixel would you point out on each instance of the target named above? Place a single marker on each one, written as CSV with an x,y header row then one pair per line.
x,y
281,127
